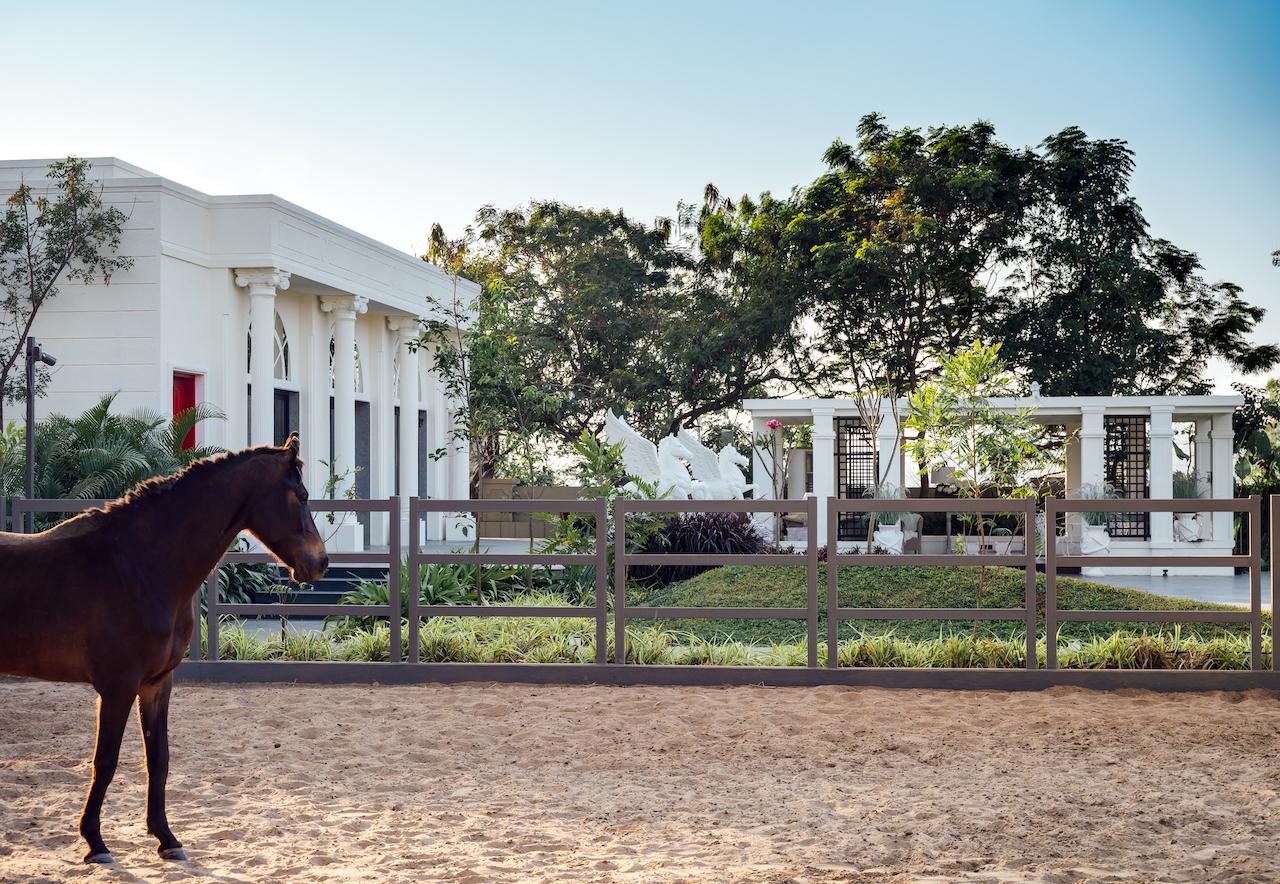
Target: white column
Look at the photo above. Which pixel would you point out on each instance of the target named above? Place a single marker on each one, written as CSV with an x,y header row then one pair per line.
x,y
824,469
437,439
1092,441
1203,453
1161,469
890,450
262,283
1092,470
344,308
1223,477
405,329
462,526
762,459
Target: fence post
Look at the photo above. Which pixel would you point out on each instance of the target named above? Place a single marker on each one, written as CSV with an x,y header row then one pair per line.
x,y
1255,583
415,517
211,617
393,574
1029,541
619,581
1275,584
4,514
833,577
1050,583
811,520
601,512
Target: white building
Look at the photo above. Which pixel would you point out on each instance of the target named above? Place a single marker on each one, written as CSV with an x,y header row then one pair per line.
x,y
1126,442
230,295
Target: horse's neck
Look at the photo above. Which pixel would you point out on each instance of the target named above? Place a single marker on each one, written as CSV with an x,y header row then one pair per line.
x,y
188,528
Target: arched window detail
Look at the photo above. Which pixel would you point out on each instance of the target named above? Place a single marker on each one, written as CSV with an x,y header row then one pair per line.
x,y
359,387
282,369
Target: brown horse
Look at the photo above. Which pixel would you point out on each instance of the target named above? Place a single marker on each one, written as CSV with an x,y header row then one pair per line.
x,y
105,598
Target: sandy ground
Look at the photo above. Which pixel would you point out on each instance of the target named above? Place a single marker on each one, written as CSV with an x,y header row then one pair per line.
x,y
519,783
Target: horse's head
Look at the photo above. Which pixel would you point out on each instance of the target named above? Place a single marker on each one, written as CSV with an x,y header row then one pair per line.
x,y
278,514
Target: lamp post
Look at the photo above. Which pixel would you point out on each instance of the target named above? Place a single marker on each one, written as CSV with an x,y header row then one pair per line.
x,y
34,355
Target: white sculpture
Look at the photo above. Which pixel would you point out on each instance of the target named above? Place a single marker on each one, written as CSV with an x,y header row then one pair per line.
x,y
709,484
715,476
731,462
658,464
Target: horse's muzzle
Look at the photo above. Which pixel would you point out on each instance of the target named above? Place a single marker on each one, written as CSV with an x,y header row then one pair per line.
x,y
311,568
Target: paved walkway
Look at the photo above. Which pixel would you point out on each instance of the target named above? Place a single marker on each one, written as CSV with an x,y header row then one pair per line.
x,y
1222,590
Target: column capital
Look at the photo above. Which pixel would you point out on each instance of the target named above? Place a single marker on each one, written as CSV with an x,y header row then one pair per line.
x,y
344,304
262,280
405,325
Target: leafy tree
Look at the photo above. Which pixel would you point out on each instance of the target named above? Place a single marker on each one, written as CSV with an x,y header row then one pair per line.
x,y
1095,304
894,241
991,450
42,240
583,310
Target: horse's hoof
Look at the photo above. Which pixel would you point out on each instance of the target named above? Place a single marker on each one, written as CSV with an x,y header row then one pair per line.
x,y
174,854
100,859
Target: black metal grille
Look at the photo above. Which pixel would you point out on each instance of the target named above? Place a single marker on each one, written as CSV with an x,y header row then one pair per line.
x,y
855,473
1127,459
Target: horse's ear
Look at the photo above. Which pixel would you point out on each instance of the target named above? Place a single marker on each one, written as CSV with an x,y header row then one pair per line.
x,y
293,444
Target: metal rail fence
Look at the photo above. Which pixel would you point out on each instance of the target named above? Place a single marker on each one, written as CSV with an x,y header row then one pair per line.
x,y
624,559
1251,506
619,671
599,559
1025,507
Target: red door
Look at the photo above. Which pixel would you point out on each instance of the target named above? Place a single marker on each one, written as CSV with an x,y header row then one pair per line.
x,y
184,397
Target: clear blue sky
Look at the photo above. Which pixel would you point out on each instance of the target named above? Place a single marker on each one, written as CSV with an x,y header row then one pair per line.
x,y
388,116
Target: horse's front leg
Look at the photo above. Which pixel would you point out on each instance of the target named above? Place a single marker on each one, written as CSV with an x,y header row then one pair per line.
x,y
153,717
113,714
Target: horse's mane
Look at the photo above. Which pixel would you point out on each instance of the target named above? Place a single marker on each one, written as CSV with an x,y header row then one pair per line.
x,y
150,489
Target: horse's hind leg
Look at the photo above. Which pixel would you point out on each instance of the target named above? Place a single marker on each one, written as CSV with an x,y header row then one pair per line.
x,y
153,717
113,714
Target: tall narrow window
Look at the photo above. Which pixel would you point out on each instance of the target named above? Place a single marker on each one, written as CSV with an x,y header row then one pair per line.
x,y
1126,464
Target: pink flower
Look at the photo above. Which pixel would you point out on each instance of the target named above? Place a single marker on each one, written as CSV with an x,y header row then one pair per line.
x,y
774,424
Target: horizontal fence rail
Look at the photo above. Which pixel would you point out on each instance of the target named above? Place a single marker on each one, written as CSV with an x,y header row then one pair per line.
x,y
610,579
598,559
623,559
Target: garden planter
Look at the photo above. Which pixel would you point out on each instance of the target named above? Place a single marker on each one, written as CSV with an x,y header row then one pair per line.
x,y
1096,541
997,545
889,538
1186,527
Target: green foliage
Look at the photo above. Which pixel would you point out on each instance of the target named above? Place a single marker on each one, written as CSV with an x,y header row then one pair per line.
x,y
69,234
1188,487
438,584
572,640
701,534
1099,306
990,450
1096,492
892,239
101,454
582,310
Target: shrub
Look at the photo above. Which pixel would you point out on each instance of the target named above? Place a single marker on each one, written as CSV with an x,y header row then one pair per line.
x,y
701,533
437,585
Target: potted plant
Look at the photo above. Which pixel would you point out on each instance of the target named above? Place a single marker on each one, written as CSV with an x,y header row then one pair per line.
x,y
888,536
1096,540
1186,526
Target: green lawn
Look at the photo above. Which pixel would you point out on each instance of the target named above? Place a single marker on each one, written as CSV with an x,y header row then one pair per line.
x,y
904,587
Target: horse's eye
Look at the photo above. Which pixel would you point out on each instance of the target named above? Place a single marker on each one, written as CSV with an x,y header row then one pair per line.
x,y
302,495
